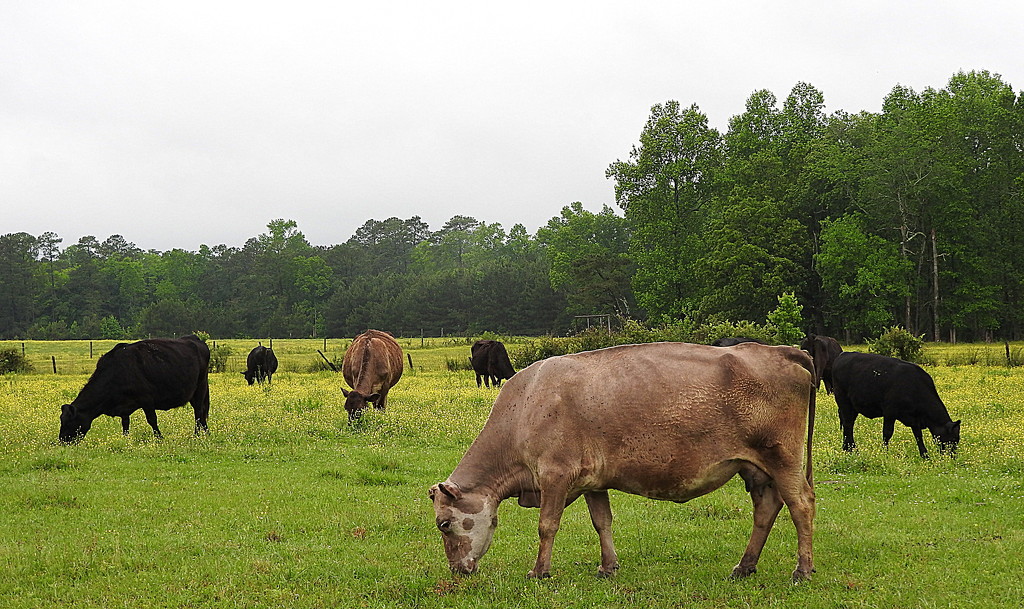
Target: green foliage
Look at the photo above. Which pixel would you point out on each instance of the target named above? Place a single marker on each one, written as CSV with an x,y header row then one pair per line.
x,y
219,355
457,364
710,332
898,342
11,360
524,354
787,320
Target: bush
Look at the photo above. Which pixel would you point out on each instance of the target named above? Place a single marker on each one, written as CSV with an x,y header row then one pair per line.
x,y
13,361
898,342
541,348
455,364
219,355
709,333
787,320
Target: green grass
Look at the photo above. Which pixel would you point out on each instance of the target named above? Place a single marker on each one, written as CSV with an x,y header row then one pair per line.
x,y
285,505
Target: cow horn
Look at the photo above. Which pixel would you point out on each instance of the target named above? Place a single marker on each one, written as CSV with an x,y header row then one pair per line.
x,y
450,489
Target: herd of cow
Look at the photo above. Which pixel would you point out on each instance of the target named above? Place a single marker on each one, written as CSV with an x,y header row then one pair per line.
x,y
669,421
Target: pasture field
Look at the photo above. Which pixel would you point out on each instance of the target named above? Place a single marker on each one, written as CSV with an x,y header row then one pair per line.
x,y
284,504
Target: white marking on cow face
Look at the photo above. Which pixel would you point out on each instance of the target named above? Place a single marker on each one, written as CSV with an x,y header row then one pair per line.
x,y
467,522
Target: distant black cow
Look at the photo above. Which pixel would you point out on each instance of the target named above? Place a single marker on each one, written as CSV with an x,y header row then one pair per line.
x,y
154,374
490,362
878,386
732,341
260,364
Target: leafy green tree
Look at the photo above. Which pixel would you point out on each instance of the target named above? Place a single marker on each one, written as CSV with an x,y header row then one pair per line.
x,y
663,189
787,320
752,254
589,257
864,278
18,284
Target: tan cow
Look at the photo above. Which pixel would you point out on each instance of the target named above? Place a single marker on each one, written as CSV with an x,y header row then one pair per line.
x,y
372,366
669,421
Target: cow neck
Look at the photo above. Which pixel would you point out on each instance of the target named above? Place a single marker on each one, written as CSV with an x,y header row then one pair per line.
x,y
492,473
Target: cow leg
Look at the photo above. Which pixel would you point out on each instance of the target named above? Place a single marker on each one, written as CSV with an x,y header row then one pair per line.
x,y
552,503
920,442
601,516
847,416
478,383
151,419
767,505
201,407
381,403
125,422
888,427
799,498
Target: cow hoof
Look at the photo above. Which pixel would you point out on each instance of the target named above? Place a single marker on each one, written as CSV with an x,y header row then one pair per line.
x,y
800,577
740,571
534,574
607,572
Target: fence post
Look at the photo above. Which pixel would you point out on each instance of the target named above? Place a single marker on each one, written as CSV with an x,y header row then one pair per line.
x,y
90,349
53,358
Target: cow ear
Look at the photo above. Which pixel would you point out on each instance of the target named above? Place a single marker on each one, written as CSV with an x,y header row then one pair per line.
x,y
450,489
432,491
343,392
955,426
373,397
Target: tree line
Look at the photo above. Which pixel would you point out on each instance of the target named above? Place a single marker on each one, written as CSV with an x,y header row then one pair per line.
x,y
911,216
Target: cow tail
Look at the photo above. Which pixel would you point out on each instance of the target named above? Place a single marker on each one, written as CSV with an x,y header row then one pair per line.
x,y
810,433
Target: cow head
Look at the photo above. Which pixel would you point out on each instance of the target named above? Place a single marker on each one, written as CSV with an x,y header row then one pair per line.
x,y
356,402
73,425
823,350
948,437
250,377
466,521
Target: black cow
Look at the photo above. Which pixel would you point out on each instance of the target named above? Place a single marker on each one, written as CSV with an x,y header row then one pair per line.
x,y
154,374
260,364
732,341
490,362
878,386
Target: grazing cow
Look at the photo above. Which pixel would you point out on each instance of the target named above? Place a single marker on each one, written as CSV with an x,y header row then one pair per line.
x,y
372,366
669,421
490,362
260,364
824,350
732,341
875,386
154,374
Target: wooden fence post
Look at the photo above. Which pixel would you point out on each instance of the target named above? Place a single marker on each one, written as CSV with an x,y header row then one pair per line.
x,y
53,358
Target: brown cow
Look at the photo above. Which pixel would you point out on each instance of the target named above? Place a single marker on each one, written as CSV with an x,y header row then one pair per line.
x,y
372,366
669,421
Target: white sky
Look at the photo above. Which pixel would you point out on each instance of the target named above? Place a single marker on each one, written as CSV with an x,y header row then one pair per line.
x,y
181,123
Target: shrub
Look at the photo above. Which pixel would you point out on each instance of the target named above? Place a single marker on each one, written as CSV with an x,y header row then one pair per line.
x,y
13,361
787,320
219,355
898,342
541,348
456,364
710,332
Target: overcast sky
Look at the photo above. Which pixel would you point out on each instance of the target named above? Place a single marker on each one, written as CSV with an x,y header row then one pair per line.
x,y
183,123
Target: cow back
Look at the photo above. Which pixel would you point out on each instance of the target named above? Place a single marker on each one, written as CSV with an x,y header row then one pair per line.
x,y
167,372
373,361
